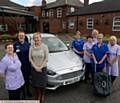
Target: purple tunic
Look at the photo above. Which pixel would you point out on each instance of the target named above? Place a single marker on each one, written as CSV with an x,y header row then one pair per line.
x,y
87,46
95,40
113,52
11,68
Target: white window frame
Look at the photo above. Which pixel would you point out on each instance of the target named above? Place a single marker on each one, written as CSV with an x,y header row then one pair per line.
x,y
23,26
59,12
51,13
90,23
3,27
47,14
116,25
72,9
63,25
71,24
43,13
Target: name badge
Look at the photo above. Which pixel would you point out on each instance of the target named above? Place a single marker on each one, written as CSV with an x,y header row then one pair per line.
x,y
17,50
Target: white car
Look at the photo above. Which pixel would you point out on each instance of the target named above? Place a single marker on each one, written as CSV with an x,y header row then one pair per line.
x,y
64,67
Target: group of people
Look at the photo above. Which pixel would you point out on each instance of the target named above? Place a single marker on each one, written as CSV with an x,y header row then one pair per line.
x,y
24,62
21,62
97,55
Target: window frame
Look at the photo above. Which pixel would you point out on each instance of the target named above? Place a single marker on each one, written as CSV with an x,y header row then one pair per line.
x,y
23,26
90,23
71,11
3,27
69,25
114,25
51,13
43,13
59,12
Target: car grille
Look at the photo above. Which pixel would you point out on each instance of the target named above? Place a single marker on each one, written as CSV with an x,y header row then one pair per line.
x,y
69,75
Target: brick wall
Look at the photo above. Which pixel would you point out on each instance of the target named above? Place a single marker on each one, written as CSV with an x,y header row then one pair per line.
x,y
103,22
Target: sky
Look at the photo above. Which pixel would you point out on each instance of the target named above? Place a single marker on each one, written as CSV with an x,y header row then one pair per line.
x,y
38,2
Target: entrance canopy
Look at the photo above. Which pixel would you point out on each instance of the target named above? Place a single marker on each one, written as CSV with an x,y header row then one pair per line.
x,y
9,10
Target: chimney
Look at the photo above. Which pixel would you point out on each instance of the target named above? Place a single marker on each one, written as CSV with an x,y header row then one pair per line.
x,y
43,3
86,2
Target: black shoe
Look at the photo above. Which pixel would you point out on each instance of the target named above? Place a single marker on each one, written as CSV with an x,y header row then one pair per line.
x,y
29,94
85,81
92,83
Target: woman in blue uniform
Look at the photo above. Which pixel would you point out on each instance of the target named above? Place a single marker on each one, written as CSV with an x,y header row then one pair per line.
x,y
77,44
22,49
99,53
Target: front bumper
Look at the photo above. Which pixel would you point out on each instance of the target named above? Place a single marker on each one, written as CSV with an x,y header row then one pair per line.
x,y
55,82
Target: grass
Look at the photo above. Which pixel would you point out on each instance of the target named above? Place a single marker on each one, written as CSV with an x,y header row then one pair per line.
x,y
1,54
2,51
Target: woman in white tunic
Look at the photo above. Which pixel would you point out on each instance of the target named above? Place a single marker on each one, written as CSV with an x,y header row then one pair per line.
x,y
114,52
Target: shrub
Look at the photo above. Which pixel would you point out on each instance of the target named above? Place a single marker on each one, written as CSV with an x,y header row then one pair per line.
x,y
7,37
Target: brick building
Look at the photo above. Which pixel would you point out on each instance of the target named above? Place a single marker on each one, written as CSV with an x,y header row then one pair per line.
x,y
52,17
104,16
13,17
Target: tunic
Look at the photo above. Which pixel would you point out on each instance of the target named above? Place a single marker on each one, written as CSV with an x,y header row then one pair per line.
x,y
78,45
99,53
11,68
87,47
22,51
113,52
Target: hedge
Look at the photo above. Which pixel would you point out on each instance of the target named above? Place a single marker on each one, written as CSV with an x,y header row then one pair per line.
x,y
7,37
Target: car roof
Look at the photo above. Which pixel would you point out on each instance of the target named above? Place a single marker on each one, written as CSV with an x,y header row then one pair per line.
x,y
42,34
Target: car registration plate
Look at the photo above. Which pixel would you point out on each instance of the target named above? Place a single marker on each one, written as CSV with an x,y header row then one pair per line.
x,y
71,81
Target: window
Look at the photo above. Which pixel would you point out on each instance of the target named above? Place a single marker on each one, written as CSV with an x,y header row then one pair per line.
x,y
71,24
59,12
90,23
63,25
51,13
116,23
22,26
72,9
3,27
47,14
43,13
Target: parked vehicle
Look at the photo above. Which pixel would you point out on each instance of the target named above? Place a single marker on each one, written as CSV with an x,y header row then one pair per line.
x,y
64,67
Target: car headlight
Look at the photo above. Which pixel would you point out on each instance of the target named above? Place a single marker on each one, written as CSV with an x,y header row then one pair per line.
x,y
50,72
83,66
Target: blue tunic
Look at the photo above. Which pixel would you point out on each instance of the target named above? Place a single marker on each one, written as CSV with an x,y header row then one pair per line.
x,y
99,53
22,51
78,45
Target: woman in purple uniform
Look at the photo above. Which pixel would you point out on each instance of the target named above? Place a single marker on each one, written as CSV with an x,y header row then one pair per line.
x,y
10,68
114,53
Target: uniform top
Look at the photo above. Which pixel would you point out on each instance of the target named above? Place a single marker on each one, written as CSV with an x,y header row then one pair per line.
x,y
87,47
11,68
22,51
99,52
78,45
113,52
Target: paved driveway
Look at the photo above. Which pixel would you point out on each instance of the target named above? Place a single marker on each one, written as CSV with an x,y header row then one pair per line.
x,y
75,93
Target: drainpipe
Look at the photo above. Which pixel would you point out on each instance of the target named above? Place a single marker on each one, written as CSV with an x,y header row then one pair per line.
x,y
3,16
77,23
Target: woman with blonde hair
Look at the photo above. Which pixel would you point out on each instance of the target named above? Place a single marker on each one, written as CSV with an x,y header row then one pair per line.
x,y
38,56
114,52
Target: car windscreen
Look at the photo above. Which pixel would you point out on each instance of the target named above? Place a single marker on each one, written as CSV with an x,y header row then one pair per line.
x,y
54,44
